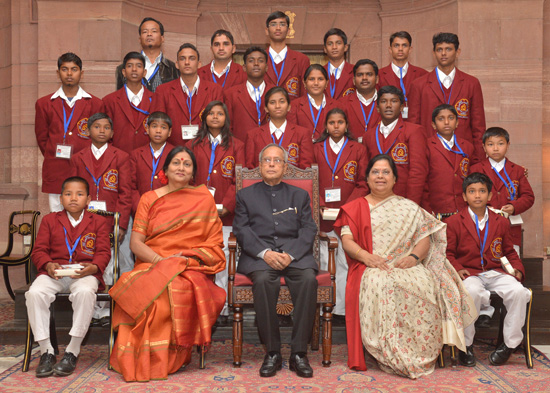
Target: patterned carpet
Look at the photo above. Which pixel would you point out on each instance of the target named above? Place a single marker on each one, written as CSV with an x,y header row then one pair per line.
x,y
92,375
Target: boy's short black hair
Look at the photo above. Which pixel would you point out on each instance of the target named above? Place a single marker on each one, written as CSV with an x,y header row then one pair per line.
x,y
447,38
161,27
336,31
363,62
98,116
442,107
159,116
133,55
254,49
76,179
277,15
220,32
391,90
477,177
496,131
401,34
190,46
69,57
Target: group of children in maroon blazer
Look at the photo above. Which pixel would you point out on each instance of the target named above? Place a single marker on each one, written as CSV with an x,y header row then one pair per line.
x,y
339,116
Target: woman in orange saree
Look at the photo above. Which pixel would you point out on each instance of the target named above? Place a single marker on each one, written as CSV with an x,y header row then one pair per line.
x,y
168,303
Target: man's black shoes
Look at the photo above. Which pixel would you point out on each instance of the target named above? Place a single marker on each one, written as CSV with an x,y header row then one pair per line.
x,y
273,362
45,367
66,365
467,358
500,355
298,362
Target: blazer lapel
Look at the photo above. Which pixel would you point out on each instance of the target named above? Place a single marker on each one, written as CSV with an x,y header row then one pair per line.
x,y
434,85
181,98
470,225
458,84
146,156
344,157
124,104
444,152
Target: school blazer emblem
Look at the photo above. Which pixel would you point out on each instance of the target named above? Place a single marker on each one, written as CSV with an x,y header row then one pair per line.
x,y
82,127
110,179
349,90
292,86
464,164
516,187
496,248
293,152
463,108
350,169
400,153
144,125
87,243
228,166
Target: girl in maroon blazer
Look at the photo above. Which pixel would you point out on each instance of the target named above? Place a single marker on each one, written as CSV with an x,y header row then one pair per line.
x,y
342,164
310,111
217,152
293,138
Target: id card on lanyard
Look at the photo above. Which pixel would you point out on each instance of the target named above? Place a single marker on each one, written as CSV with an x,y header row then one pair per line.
x,y
70,248
405,111
367,120
64,151
189,131
333,194
482,243
97,204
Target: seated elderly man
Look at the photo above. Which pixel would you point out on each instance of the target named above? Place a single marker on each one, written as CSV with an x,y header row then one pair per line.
x,y
275,229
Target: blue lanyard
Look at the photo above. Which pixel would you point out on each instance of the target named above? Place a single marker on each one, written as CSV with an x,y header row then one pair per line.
x,y
66,122
482,244
333,169
69,248
132,104
378,141
275,68
280,141
332,88
509,185
258,101
96,182
212,158
190,103
442,90
225,80
315,119
155,162
154,73
401,82
370,113
460,151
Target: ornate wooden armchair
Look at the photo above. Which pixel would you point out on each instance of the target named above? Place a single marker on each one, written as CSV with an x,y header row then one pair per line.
x,y
7,259
102,296
239,292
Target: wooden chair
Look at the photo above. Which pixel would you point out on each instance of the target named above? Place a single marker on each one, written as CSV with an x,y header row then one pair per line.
x,y
7,259
102,296
239,292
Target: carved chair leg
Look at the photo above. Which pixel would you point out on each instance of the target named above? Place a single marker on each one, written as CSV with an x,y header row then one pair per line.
x,y
7,282
316,327
441,357
327,334
503,313
454,356
28,348
527,334
202,356
237,334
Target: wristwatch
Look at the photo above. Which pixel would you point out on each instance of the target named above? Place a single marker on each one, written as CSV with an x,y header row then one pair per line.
x,y
414,256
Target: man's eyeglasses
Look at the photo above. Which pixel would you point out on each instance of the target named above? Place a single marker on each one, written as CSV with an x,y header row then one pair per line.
x,y
275,160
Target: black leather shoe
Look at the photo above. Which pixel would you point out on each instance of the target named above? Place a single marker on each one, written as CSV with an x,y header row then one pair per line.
x,y
272,363
500,355
467,358
483,322
66,365
45,367
300,364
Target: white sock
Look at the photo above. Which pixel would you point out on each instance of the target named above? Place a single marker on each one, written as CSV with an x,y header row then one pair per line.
x,y
74,345
45,346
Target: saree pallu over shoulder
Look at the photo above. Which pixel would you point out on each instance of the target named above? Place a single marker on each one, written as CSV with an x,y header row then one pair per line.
x,y
391,229
164,309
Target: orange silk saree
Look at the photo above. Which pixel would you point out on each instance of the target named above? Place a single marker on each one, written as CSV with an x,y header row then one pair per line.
x,y
163,309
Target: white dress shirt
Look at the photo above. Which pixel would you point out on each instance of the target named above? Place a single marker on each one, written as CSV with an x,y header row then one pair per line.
x,y
157,153
151,67
252,93
277,131
195,87
74,222
396,69
497,165
336,147
135,98
213,139
444,141
312,100
212,70
481,221
386,130
446,80
364,101
278,57
79,94
336,71
99,152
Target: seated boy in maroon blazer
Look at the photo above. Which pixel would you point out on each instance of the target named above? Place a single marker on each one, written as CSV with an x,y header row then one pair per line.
x,y
448,165
223,71
340,72
69,237
404,142
108,169
477,242
147,161
129,106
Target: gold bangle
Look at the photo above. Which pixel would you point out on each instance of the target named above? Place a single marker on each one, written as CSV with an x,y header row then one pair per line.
x,y
357,253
